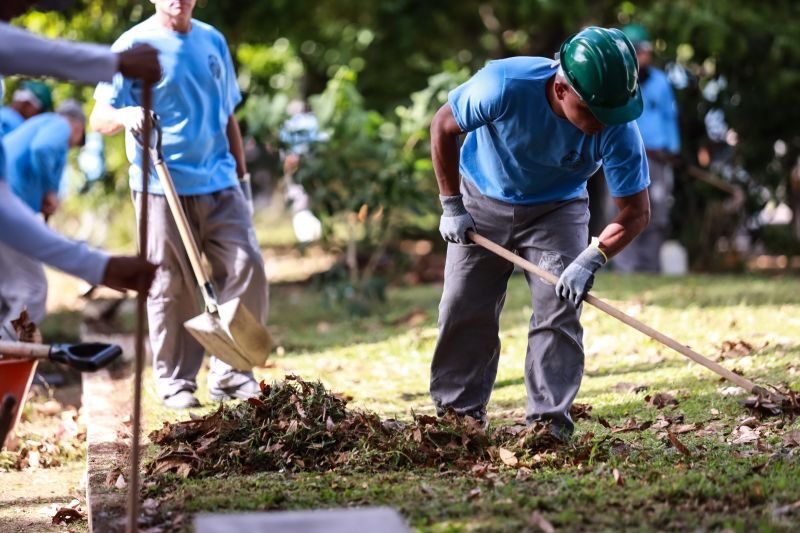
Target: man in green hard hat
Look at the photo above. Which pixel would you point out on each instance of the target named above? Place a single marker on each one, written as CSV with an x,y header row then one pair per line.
x,y
537,129
31,98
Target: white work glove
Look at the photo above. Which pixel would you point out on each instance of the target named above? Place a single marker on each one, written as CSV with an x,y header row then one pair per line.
x,y
132,118
455,220
307,227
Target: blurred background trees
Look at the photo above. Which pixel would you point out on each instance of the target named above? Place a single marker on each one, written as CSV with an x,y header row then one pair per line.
x,y
374,72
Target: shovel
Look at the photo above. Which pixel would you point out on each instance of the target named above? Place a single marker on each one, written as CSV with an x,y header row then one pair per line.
x,y
86,357
607,308
229,330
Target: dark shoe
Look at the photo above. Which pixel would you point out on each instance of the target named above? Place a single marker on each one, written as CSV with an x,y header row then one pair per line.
x,y
248,389
182,400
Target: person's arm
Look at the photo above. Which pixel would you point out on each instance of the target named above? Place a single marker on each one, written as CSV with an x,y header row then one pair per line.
x,y
633,217
107,119
236,145
444,150
627,176
22,52
22,230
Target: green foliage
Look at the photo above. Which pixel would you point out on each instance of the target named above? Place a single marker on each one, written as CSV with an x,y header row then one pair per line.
x,y
385,51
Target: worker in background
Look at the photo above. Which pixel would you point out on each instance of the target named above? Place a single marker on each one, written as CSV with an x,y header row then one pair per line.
x,y
36,155
659,128
31,98
297,136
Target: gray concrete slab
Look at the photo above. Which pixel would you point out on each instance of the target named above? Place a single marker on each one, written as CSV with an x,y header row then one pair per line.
x,y
361,520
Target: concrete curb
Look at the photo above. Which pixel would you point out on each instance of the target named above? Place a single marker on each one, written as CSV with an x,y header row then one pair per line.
x,y
106,400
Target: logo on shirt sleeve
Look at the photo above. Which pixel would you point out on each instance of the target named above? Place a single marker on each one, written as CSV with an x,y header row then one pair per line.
x,y
214,66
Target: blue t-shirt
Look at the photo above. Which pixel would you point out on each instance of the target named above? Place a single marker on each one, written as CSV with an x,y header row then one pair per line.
x,y
9,120
195,97
37,154
519,151
659,121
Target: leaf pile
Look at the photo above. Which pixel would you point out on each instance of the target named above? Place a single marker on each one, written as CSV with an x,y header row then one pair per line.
x,y
32,450
786,403
299,425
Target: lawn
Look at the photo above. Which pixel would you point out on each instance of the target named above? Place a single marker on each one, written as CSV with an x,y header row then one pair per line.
x,y
730,475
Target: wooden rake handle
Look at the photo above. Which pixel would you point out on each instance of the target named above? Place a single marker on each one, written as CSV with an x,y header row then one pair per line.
x,y
625,318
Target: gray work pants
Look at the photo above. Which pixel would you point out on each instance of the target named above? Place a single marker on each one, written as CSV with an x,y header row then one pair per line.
x,y
465,359
643,253
224,232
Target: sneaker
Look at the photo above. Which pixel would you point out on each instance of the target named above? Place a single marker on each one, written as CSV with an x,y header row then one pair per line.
x,y
182,400
243,391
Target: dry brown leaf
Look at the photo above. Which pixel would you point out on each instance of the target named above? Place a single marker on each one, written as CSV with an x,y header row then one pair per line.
x,y
681,447
792,439
735,349
474,493
538,521
579,411
362,213
684,428
661,400
67,515
508,457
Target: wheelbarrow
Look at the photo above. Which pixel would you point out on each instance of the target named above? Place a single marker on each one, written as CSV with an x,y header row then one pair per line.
x,y
18,361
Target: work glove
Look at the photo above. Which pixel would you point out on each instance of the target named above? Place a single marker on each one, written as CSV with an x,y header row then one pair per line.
x,y
307,227
247,190
132,117
455,221
577,278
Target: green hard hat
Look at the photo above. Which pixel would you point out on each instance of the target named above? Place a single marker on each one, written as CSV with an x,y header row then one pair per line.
x,y
41,91
638,35
601,65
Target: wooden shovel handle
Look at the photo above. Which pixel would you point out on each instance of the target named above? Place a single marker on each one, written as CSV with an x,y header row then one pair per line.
x,y
27,350
623,317
185,231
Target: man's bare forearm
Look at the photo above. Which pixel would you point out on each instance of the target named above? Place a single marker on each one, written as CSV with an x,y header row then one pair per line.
x,y
633,217
237,145
105,119
445,151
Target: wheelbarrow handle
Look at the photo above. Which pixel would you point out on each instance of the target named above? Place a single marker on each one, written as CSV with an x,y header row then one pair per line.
x,y
86,357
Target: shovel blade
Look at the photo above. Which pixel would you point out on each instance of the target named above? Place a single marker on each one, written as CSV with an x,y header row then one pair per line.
x,y
233,335
247,332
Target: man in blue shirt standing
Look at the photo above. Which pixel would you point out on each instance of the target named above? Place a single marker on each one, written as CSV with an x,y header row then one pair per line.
x,y
659,128
536,131
202,144
36,155
31,98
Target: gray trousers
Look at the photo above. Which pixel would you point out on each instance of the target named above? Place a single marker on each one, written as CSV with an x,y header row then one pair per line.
x,y
643,253
23,285
465,359
224,232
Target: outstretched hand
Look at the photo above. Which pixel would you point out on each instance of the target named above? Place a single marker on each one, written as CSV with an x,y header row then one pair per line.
x,y
129,272
140,62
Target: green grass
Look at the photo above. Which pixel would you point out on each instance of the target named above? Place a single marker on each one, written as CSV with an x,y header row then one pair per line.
x,y
383,362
